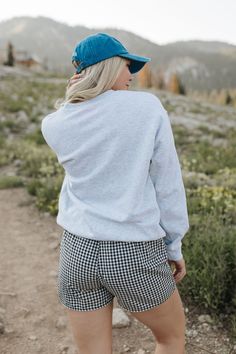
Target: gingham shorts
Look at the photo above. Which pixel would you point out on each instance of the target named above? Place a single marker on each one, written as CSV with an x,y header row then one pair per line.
x,y
93,272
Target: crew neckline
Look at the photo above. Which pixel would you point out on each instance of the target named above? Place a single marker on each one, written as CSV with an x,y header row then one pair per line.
x,y
69,104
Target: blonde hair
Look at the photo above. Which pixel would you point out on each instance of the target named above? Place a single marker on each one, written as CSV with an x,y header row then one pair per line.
x,y
93,80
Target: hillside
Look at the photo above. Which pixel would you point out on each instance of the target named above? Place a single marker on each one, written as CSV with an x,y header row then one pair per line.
x,y
201,65
31,318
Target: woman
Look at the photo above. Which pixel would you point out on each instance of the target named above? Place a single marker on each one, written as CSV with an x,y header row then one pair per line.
x,y
122,203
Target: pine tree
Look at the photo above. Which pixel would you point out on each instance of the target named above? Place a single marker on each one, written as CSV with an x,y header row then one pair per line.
x,y
228,98
10,55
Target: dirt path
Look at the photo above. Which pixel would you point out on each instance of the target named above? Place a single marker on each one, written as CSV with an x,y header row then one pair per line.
x,y
34,320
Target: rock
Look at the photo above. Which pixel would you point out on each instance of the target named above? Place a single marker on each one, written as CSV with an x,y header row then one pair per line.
x,y
54,245
9,331
205,326
61,323
17,163
15,97
53,273
33,338
63,348
72,351
126,348
205,318
2,118
55,235
119,318
219,142
32,127
141,351
2,328
10,173
10,136
6,131
22,117
186,310
191,333
29,99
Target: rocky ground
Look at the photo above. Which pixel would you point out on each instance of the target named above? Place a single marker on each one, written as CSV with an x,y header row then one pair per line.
x,y
31,318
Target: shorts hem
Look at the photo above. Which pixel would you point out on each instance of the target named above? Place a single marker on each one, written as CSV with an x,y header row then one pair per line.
x,y
149,307
84,310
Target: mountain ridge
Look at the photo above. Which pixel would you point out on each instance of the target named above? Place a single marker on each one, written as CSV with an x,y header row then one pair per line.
x,y
200,64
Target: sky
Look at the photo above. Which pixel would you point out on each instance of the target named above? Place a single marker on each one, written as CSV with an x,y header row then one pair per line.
x,y
161,22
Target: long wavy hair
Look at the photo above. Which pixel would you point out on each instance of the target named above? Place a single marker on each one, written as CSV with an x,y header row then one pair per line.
x,y
93,80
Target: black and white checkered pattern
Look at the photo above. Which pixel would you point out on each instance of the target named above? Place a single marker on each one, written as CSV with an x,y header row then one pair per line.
x,y
93,272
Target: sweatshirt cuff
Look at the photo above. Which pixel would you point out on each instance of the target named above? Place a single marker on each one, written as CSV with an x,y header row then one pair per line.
x,y
174,253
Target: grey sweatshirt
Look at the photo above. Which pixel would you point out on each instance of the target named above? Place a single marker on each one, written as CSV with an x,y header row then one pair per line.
x,y
123,180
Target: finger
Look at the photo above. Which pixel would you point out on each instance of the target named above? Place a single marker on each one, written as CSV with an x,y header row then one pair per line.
x,y
181,272
179,276
75,76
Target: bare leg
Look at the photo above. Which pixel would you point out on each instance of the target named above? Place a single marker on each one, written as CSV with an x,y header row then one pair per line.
x,y
92,330
167,323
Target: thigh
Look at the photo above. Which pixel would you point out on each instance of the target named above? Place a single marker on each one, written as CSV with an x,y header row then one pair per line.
x,y
166,320
92,330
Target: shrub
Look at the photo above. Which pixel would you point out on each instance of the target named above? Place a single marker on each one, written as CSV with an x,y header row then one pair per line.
x,y
217,200
37,161
210,254
36,137
203,157
47,193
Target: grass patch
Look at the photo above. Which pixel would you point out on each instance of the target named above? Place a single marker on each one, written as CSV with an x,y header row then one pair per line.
x,y
181,135
202,156
210,255
36,137
11,182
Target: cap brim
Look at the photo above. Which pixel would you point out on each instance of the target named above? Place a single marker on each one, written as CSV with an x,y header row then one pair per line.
x,y
137,62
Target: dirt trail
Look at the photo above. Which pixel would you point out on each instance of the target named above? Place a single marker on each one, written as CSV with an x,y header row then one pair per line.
x,y
34,320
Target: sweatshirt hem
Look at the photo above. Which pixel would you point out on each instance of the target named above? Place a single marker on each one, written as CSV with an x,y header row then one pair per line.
x,y
138,237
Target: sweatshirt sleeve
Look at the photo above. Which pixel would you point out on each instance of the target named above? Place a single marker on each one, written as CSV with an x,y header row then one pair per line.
x,y
166,176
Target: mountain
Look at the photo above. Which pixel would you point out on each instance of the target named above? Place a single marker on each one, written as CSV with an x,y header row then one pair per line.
x,y
200,64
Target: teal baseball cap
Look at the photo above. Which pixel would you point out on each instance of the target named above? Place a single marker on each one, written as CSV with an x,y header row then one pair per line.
x,y
101,46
